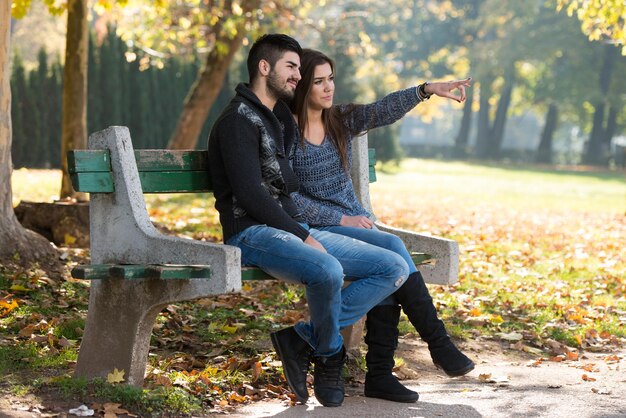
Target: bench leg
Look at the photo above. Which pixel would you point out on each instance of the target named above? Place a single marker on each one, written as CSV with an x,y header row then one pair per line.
x,y
352,337
119,324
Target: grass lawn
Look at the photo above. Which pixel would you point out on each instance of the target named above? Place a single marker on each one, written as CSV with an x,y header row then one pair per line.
x,y
543,269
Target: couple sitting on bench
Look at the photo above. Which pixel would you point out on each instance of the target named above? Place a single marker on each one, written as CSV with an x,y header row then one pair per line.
x,y
279,165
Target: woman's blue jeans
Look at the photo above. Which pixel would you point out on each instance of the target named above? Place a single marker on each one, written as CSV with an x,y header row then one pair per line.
x,y
380,239
375,274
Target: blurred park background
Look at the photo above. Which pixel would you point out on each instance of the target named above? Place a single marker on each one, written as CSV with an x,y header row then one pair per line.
x,y
543,91
527,175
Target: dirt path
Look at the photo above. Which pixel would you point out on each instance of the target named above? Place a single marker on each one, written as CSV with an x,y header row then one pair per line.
x,y
505,383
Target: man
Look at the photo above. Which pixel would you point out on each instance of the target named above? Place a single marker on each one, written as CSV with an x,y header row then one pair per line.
x,y
248,154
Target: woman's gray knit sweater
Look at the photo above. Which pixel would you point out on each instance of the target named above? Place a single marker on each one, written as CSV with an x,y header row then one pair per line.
x,y
326,191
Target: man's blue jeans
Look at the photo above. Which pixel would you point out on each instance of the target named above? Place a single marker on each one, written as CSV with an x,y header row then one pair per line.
x,y
375,274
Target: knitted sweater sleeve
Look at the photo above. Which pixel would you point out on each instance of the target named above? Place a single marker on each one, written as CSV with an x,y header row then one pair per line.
x,y
314,213
239,148
383,112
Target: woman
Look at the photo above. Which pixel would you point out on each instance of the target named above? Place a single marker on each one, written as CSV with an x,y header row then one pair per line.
x,y
327,200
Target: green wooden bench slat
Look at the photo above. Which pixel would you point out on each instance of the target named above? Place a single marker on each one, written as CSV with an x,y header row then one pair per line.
x,y
254,273
137,271
421,258
91,272
88,160
176,272
172,160
95,182
183,272
372,175
151,182
175,181
80,161
160,171
371,159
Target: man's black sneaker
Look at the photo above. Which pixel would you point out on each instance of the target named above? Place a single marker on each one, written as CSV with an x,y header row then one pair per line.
x,y
295,354
328,380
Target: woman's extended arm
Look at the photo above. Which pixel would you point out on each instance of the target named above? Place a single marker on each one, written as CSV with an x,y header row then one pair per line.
x,y
395,105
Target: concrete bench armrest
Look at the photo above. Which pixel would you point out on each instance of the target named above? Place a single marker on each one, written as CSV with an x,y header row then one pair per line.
x,y
445,270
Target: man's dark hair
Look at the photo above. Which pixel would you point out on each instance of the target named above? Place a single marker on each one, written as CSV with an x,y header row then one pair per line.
x,y
270,47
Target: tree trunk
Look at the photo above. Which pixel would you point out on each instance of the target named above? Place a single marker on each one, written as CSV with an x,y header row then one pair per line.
x,y
461,141
497,132
205,90
593,153
544,151
593,147
611,127
483,132
74,127
16,243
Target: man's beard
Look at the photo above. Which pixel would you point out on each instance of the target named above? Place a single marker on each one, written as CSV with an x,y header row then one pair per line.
x,y
284,93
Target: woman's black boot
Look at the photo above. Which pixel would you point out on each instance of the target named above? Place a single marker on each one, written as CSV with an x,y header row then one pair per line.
x,y
382,340
418,306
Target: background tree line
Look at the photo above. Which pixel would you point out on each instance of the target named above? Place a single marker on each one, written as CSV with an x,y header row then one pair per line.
x,y
146,98
525,58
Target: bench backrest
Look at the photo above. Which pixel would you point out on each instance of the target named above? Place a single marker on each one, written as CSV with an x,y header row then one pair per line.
x,y
160,171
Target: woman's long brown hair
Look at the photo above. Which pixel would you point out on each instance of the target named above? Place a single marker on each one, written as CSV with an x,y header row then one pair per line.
x,y
334,119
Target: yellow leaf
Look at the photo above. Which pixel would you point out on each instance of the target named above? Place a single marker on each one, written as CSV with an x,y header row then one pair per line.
x,y
20,288
117,376
578,339
496,319
229,329
6,307
69,239
235,397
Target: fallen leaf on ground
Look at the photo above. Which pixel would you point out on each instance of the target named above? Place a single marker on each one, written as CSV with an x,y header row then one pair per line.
x,y
257,371
612,359
590,367
7,306
117,376
588,378
602,391
488,378
111,410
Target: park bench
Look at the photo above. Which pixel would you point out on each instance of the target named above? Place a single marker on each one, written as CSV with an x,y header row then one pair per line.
x,y
136,271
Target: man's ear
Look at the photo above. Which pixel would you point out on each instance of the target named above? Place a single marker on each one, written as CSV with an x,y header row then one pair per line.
x,y
264,67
